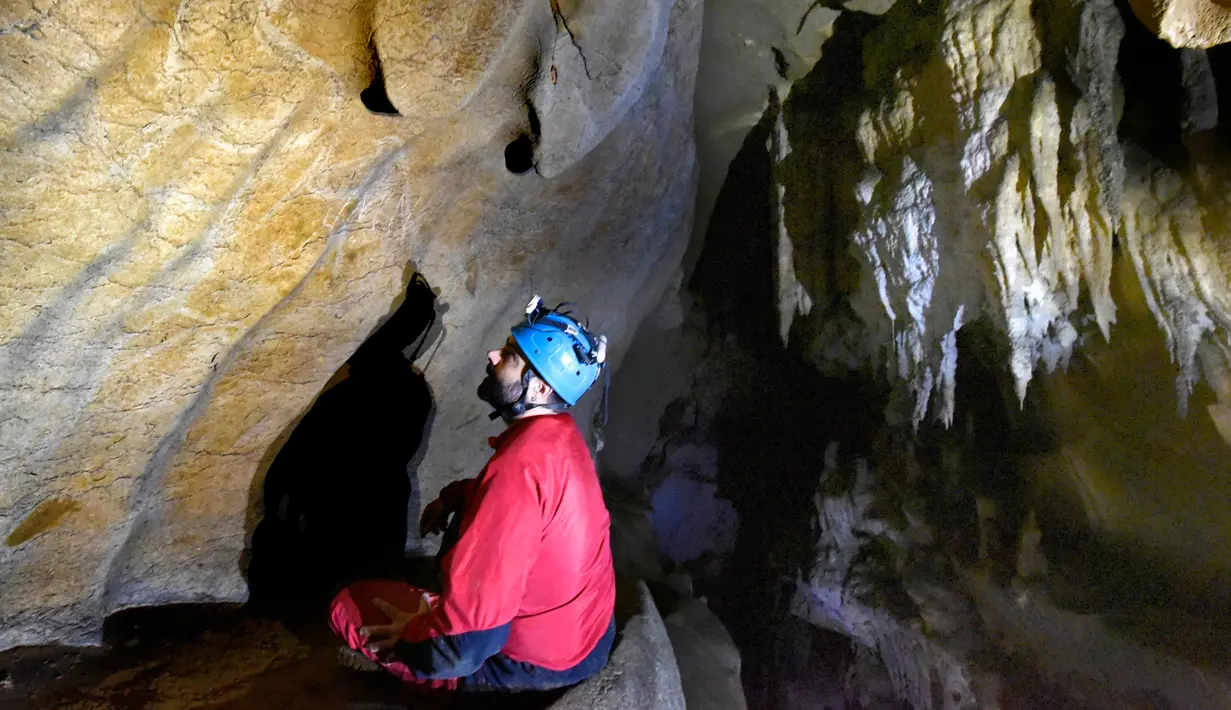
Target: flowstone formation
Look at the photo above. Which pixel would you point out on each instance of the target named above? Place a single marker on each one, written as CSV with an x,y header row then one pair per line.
x,y
1033,194
981,245
209,204
981,175
980,179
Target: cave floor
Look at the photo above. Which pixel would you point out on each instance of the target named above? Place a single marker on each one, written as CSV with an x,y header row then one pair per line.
x,y
227,658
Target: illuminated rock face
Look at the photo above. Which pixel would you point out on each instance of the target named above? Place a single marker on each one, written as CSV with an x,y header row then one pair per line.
x,y
978,171
1198,24
1033,194
201,220
979,176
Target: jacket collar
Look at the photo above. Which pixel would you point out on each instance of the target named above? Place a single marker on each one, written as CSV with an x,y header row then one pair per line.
x,y
498,442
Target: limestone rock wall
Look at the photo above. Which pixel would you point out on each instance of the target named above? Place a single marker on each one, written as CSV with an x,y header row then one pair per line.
x,y
1186,23
1175,229
982,178
642,672
749,51
200,220
1026,193
982,175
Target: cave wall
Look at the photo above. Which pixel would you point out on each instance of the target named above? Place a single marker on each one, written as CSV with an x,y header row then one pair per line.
x,y
964,189
979,251
1056,176
202,219
1186,23
990,181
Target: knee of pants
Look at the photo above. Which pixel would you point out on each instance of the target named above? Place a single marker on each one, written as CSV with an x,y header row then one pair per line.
x,y
352,607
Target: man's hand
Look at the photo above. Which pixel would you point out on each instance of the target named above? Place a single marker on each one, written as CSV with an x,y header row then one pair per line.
x,y
382,638
434,519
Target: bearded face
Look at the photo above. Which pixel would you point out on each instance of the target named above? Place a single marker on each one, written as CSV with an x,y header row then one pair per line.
x,y
503,385
497,392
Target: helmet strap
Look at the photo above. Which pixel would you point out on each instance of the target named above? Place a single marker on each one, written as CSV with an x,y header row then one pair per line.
x,y
518,408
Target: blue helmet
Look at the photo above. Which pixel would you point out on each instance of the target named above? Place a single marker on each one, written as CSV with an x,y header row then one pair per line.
x,y
560,350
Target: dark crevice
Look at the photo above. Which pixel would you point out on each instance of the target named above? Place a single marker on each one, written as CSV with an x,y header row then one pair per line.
x,y
338,492
1153,92
769,467
734,273
780,64
375,98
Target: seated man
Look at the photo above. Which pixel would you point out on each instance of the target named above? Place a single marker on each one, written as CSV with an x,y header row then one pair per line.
x,y
528,592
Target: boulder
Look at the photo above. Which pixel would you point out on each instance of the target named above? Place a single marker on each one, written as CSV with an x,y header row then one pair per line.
x,y
642,672
708,660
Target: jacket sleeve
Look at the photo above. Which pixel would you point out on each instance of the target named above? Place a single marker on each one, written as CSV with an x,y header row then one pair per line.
x,y
484,577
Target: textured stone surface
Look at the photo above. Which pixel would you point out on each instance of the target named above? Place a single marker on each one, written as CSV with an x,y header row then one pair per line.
x,y
707,658
201,221
967,191
1186,23
750,51
219,668
179,662
642,672
839,594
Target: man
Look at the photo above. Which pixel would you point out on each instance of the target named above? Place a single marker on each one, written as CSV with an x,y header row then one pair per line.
x,y
528,587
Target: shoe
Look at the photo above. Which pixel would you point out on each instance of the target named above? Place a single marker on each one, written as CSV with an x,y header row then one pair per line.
x,y
354,660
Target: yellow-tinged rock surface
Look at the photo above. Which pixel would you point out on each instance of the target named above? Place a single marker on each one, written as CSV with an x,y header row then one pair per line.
x,y
1198,24
979,174
200,220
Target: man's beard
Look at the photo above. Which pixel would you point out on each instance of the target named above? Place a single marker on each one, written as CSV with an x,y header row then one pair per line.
x,y
497,395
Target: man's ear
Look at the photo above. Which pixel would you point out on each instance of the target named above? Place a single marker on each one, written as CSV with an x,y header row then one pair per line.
x,y
540,391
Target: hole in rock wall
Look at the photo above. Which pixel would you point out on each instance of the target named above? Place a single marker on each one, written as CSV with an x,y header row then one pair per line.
x,y
336,496
519,155
1151,74
375,98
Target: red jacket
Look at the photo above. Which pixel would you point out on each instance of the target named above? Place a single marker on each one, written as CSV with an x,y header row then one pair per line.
x,y
534,556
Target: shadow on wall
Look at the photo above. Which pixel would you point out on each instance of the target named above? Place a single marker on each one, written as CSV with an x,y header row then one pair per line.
x,y
339,491
769,413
